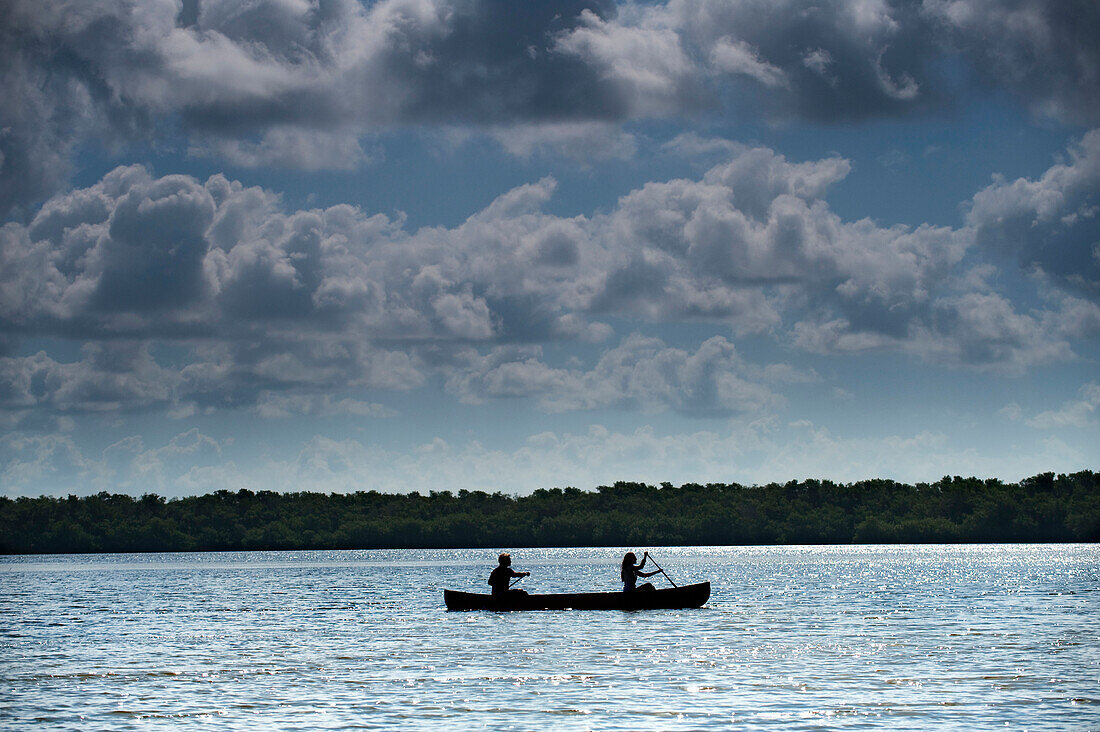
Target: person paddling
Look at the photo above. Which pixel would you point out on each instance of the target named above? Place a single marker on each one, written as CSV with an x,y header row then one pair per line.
x,y
631,572
500,577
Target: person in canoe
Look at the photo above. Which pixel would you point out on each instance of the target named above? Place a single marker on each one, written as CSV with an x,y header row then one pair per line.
x,y
631,572
500,577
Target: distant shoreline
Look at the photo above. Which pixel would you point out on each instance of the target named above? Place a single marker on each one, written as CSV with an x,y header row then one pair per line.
x,y
1046,508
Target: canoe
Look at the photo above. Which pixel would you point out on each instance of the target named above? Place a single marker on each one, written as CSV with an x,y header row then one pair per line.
x,y
670,598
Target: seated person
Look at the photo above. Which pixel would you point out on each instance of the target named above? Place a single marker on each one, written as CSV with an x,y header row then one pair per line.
x,y
500,577
630,573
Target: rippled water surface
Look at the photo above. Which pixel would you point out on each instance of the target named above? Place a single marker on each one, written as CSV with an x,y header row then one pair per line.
x,y
910,637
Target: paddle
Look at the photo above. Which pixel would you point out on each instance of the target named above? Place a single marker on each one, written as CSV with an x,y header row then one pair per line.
x,y
513,584
659,568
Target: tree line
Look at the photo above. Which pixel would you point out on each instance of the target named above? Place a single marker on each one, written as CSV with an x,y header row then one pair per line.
x,y
1043,508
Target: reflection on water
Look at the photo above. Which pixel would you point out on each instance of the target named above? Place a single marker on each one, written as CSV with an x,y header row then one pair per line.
x,y
792,638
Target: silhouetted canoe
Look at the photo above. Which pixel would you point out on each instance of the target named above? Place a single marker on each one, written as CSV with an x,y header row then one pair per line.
x,y
671,598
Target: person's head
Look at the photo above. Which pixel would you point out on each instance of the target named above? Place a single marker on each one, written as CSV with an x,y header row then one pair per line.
x,y
505,559
629,558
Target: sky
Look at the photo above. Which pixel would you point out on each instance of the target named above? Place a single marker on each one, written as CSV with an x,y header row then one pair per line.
x,y
505,245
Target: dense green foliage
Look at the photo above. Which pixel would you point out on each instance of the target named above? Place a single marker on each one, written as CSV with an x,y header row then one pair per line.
x,y
1042,508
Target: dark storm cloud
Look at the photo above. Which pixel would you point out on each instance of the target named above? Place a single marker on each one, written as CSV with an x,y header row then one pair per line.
x,y
832,61
399,62
297,84
275,81
1046,52
62,84
492,61
826,62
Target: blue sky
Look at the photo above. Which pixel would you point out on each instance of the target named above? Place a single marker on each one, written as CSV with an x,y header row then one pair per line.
x,y
487,245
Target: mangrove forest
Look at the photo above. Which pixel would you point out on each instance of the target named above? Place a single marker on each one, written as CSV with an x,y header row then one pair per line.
x,y
1043,508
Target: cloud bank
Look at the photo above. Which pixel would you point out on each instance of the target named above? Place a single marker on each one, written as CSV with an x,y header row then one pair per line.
x,y
303,84
198,295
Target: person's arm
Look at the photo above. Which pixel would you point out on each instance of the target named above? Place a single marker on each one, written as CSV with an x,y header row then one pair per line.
x,y
645,557
649,574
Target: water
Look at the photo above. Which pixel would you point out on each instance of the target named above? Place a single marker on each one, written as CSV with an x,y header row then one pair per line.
x,y
911,637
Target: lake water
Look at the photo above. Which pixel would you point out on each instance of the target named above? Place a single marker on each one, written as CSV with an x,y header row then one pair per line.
x,y
899,637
